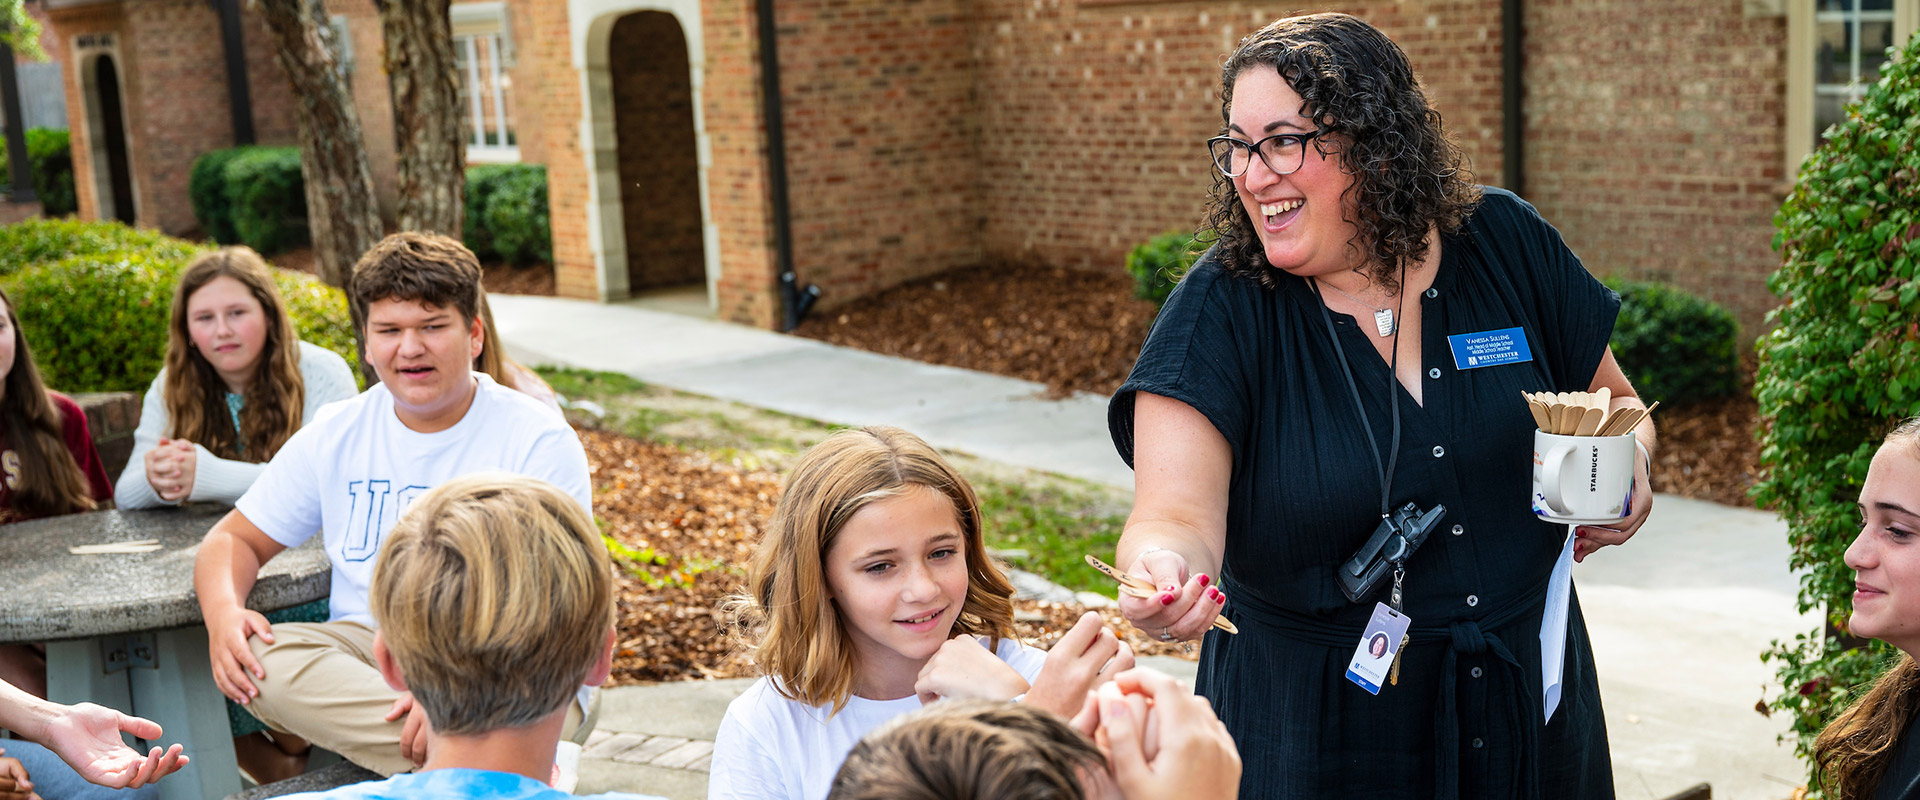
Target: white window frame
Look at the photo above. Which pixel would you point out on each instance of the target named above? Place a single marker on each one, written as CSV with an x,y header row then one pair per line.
x,y
1802,24
471,21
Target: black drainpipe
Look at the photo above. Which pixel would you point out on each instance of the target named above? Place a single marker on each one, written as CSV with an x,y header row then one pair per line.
x,y
21,189
239,103
795,299
1512,96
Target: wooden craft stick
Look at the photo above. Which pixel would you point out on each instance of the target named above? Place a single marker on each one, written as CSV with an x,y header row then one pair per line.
x,y
1133,586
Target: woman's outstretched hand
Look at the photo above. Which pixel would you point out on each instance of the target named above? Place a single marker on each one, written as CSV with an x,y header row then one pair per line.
x,y
1182,608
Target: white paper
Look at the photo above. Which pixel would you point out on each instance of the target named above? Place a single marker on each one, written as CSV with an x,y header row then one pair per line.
x,y
1553,628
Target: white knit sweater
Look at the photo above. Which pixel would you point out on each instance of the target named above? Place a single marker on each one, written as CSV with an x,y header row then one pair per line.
x,y
328,378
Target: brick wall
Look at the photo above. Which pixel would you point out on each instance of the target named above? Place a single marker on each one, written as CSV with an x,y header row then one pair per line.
x,y
176,87
111,418
1093,116
549,107
659,177
1654,140
881,127
66,24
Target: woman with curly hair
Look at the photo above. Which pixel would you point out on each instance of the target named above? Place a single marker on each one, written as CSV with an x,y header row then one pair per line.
x,y
1300,385
237,383
1871,751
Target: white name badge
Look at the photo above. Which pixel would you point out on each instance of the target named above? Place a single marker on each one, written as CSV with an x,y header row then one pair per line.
x,y
1373,657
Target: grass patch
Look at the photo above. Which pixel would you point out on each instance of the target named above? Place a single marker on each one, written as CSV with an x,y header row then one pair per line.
x,y
1056,525
577,383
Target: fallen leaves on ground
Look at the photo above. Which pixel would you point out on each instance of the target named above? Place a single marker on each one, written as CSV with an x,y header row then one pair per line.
x,y
1069,329
685,527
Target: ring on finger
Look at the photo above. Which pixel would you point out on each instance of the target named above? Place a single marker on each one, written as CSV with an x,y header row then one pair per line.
x,y
1165,635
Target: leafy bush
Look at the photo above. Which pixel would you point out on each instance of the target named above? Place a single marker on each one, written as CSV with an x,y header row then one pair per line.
x,y
1158,264
1837,371
97,316
268,198
50,154
40,241
207,190
506,213
250,195
1675,347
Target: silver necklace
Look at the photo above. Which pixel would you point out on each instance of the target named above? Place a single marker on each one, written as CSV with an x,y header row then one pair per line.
x,y
1382,317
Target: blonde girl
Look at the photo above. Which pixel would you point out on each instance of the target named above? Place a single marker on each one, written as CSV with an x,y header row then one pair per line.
x,y
871,595
1871,751
237,384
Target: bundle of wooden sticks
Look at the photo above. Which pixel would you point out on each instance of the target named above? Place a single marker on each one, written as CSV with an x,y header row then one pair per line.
x,y
1583,413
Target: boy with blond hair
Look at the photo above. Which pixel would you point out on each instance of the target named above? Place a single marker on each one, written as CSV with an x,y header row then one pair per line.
x,y
349,474
494,597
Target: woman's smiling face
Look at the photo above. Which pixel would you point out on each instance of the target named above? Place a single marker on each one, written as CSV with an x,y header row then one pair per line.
x,y
1302,217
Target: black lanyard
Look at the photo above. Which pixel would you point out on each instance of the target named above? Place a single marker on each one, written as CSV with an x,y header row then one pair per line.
x,y
1393,402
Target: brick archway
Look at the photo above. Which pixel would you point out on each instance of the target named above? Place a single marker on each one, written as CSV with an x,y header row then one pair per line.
x,y
608,220
658,163
104,93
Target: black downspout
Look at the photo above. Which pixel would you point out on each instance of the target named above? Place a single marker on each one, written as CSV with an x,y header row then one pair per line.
x,y
17,162
239,101
1512,96
795,300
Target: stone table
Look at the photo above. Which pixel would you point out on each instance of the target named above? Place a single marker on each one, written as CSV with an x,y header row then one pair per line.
x,y
124,631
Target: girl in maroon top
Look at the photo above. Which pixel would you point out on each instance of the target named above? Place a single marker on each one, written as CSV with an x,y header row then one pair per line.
x,y
48,466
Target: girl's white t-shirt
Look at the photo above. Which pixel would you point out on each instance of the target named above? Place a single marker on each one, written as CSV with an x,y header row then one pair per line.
x,y
774,748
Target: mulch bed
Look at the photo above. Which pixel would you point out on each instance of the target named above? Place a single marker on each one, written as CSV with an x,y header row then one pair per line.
x,y
1080,331
689,525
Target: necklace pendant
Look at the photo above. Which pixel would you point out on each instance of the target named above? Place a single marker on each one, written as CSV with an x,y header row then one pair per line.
x,y
1383,320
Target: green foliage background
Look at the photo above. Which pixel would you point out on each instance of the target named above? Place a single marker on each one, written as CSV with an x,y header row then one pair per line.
x,y
1158,264
506,213
1840,367
93,298
250,195
1675,347
49,152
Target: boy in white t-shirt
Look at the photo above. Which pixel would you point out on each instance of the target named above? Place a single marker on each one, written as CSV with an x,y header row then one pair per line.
x,y
349,474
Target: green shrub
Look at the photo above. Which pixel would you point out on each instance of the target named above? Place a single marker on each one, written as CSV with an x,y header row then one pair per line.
x,y
98,323
207,190
97,316
267,197
50,154
506,213
1838,369
1675,347
40,241
1158,264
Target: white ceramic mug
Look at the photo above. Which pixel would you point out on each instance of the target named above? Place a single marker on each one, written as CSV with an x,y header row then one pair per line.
x,y
1582,480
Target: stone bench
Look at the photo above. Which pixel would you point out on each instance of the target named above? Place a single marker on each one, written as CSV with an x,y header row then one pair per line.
x,y
319,780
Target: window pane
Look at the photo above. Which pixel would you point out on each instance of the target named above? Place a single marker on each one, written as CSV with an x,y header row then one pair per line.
x,y
1875,38
1876,5
1833,5
1827,110
1833,52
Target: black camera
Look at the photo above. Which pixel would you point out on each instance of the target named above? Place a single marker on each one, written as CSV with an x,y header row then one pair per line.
x,y
1393,542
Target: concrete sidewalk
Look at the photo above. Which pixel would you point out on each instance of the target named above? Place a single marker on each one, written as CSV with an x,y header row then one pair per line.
x,y
1678,617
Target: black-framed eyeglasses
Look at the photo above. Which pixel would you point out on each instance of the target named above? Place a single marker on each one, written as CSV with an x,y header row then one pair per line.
x,y
1283,153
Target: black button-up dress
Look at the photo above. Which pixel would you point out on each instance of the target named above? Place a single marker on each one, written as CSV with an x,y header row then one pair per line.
x,y
1466,719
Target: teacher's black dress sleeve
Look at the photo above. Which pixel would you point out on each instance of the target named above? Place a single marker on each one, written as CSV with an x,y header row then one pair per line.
x,y
1198,355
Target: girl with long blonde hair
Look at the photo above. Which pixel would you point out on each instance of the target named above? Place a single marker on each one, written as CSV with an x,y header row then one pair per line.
x,y
1871,751
870,595
237,383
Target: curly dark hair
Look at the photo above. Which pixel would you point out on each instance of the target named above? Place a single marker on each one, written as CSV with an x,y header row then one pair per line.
x,y
1408,174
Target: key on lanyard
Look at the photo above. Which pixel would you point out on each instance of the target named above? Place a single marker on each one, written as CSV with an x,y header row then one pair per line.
x,y
1393,674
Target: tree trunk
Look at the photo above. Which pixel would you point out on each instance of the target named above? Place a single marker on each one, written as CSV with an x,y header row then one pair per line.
x,y
341,215
426,114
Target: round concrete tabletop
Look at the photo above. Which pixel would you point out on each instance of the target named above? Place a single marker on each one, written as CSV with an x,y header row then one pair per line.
x,y
48,594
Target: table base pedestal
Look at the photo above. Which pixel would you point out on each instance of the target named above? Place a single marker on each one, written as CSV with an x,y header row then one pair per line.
x,y
165,677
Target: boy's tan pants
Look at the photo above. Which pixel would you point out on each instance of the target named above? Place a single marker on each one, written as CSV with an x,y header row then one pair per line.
x,y
323,684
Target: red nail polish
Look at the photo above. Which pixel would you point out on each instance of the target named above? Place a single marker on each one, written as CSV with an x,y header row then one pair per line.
x,y
1204,580
1166,599
1217,596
